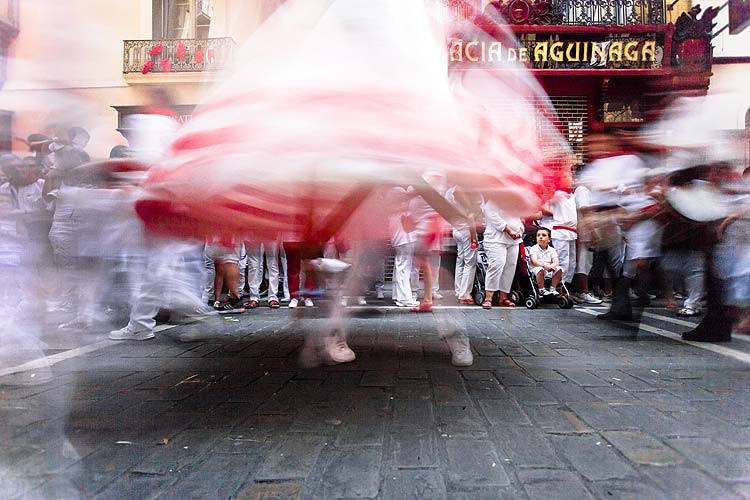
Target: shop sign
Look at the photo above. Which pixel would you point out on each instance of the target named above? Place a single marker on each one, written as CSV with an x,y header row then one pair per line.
x,y
543,53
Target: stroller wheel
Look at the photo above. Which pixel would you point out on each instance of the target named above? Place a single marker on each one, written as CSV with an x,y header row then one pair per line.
x,y
479,298
562,303
516,297
571,303
531,303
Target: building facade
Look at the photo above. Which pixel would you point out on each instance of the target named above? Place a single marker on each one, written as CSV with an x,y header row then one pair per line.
x,y
604,63
80,62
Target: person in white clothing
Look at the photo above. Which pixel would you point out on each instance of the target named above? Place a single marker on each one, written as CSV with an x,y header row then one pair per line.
x,y
561,216
465,235
584,254
255,252
502,235
545,263
428,240
402,240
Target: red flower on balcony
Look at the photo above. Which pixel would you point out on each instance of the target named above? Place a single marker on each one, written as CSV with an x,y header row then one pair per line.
x,y
198,56
156,50
181,49
147,67
166,65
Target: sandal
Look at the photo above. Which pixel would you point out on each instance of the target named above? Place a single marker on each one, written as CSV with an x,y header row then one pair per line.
x,y
251,304
487,304
466,302
274,304
422,307
507,303
688,312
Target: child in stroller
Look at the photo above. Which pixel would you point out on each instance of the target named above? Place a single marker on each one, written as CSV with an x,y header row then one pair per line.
x,y
544,273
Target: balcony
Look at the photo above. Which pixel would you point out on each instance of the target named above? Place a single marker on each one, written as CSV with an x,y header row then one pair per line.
x,y
565,12
177,56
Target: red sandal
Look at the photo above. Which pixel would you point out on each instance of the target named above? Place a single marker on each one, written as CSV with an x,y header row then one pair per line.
x,y
487,304
507,303
422,307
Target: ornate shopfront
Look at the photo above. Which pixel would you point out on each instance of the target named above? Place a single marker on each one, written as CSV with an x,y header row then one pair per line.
x,y
604,63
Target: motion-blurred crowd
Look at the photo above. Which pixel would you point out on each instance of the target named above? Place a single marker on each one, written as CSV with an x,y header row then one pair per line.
x,y
640,221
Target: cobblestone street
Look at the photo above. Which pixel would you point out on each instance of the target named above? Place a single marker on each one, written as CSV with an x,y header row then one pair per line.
x,y
557,405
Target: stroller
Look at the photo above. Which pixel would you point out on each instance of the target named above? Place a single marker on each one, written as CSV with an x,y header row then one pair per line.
x,y
533,297
477,289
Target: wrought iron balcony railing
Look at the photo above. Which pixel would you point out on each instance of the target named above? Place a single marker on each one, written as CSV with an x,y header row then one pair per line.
x,y
566,12
183,55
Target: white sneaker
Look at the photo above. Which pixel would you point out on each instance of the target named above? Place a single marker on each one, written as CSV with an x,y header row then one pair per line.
x,y
308,302
344,301
553,291
127,334
361,301
285,299
329,265
543,292
293,304
589,298
337,349
460,350
407,303
437,295
76,325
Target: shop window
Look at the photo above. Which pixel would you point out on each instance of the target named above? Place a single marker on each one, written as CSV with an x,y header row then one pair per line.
x,y
181,19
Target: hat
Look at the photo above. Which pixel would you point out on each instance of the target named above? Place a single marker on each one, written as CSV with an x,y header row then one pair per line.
x,y
37,140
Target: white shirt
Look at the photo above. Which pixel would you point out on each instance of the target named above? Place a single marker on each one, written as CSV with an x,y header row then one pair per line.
x,y
496,222
564,213
26,198
608,177
543,256
396,200
582,195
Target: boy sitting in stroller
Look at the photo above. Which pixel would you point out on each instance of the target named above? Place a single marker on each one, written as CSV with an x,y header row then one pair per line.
x,y
545,263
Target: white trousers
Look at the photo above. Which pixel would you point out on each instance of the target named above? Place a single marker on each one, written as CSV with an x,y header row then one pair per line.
x,y
466,264
402,267
566,254
171,278
255,253
584,259
501,266
284,267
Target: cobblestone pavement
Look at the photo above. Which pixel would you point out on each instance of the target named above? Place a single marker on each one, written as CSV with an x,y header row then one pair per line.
x,y
557,405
